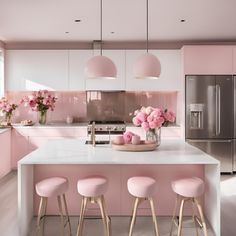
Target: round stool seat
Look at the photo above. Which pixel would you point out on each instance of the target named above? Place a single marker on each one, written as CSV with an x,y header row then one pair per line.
x,y
189,187
92,186
52,187
142,186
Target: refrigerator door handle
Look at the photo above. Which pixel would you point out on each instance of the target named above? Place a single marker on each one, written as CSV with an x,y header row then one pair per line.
x,y
209,140
218,109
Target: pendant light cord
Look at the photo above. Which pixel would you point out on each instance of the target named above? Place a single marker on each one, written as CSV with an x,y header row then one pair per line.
x,y
147,25
101,28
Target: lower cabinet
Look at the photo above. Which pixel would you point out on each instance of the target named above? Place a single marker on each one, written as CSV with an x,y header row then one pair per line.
x,y
5,156
26,140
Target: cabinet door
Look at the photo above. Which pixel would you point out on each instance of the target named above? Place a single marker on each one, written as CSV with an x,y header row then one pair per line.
x,y
77,62
203,59
118,57
36,69
234,60
5,156
19,148
170,78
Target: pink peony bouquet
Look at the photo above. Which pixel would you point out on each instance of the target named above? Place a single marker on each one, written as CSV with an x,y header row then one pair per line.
x,y
151,118
40,101
6,107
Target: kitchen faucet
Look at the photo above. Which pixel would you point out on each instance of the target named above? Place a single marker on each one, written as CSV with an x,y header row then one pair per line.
x,y
93,137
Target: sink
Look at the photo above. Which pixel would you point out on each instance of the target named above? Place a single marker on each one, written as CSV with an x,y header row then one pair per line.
x,y
98,142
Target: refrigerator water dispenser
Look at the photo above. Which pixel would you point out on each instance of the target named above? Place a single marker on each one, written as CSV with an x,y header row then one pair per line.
x,y
196,116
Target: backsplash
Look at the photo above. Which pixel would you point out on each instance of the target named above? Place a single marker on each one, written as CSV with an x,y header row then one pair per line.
x,y
96,105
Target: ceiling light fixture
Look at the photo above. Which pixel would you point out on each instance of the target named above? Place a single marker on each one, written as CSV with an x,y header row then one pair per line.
x,y
100,66
147,65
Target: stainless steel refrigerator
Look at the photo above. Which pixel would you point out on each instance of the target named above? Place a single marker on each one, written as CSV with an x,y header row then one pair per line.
x,y
210,116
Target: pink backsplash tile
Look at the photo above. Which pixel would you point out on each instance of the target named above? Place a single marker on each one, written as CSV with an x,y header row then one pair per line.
x,y
135,100
85,106
68,103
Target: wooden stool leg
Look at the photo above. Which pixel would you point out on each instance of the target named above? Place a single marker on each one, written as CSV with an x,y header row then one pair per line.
x,y
104,217
193,217
81,218
67,214
41,216
174,214
107,217
137,200
202,217
61,214
181,217
154,216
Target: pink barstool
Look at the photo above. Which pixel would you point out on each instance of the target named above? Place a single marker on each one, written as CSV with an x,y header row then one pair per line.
x,y
53,187
188,189
142,188
92,189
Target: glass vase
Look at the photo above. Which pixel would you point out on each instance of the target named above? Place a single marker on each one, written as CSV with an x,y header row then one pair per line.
x,y
154,135
42,117
8,118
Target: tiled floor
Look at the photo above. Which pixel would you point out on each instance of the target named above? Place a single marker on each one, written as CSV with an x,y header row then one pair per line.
x,y
144,227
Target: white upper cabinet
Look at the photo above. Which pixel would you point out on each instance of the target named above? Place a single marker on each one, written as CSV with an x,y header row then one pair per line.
x,y
118,57
170,78
36,69
77,62
64,70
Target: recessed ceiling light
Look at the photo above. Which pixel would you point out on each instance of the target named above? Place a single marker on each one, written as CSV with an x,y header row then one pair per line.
x,y
183,20
112,32
67,32
77,20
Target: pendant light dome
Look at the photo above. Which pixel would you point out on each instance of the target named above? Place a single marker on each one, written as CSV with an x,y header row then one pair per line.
x,y
100,66
147,65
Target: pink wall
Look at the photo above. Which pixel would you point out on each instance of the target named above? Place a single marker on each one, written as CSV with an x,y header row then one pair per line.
x,y
68,103
118,200
75,104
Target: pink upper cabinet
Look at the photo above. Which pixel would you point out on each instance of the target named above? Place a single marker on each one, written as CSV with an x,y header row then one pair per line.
x,y
234,59
208,59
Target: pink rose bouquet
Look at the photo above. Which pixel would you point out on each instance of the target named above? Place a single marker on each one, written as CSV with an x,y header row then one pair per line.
x,y
40,101
151,118
7,108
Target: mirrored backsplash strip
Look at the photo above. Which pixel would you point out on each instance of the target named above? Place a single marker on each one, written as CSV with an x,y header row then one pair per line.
x,y
96,105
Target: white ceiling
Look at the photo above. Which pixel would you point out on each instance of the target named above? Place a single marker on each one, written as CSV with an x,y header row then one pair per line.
x,y
48,20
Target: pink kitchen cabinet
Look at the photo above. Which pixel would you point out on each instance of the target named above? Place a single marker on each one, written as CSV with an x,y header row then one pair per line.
x,y
19,147
234,60
208,59
5,155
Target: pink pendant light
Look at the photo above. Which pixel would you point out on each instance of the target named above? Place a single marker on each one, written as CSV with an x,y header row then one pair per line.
x,y
147,65
100,66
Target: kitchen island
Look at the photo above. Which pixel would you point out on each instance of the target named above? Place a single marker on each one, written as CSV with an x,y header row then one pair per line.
x,y
73,159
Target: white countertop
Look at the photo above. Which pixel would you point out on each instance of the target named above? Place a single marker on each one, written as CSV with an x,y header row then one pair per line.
x,y
3,130
51,125
74,151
